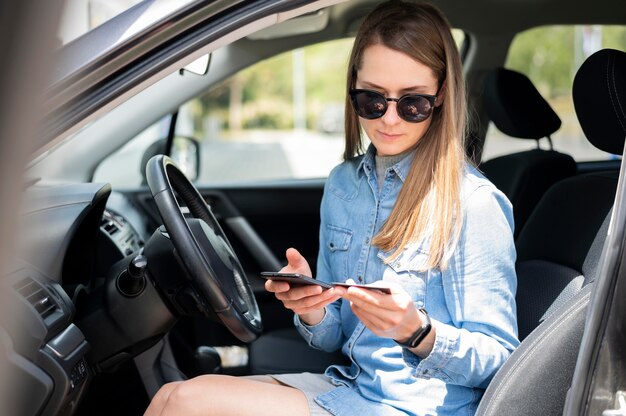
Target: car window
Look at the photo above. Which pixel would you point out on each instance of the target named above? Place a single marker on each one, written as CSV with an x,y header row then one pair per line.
x,y
124,169
550,57
279,119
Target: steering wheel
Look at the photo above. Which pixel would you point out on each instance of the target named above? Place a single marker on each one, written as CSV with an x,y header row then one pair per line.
x,y
216,274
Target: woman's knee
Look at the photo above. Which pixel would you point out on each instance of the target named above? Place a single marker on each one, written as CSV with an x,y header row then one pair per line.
x,y
189,396
160,398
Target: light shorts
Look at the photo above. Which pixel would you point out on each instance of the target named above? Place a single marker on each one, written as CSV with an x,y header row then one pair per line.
x,y
312,385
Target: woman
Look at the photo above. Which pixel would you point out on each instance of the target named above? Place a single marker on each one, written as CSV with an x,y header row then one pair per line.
x,y
412,212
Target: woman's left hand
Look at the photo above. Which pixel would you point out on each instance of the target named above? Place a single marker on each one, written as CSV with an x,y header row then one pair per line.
x,y
388,315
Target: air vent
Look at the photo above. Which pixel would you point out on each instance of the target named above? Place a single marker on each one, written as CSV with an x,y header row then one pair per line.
x,y
111,223
37,296
110,227
121,232
130,240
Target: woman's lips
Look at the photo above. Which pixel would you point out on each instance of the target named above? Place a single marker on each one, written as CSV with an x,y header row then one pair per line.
x,y
389,136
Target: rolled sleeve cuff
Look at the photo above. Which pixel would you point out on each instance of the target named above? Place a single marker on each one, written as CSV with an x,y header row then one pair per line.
x,y
312,332
446,340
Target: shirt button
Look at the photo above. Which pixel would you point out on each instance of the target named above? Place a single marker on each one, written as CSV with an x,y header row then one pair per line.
x,y
367,240
360,278
420,303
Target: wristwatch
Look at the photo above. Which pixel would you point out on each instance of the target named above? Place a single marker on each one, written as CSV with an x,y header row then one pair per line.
x,y
419,335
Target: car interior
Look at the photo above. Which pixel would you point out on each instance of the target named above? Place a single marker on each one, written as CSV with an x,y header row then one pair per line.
x,y
518,109
556,269
143,273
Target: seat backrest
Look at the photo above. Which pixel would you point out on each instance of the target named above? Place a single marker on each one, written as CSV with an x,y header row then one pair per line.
x,y
558,254
554,251
518,110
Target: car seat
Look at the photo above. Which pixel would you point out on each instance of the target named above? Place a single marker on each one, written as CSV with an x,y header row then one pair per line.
x,y
558,254
518,110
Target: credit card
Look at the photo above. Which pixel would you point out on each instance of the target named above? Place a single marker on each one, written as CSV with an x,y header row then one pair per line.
x,y
383,289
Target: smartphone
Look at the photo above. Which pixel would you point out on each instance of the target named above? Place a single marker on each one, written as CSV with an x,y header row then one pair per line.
x,y
383,289
294,278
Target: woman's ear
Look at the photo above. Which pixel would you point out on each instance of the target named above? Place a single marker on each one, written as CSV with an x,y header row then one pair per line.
x,y
441,94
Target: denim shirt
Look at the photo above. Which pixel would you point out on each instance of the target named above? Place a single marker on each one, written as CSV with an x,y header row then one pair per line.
x,y
471,303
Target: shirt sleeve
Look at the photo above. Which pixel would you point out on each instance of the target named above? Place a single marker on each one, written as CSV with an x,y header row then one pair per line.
x,y
327,335
479,287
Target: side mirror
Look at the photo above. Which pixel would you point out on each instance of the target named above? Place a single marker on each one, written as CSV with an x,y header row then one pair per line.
x,y
185,153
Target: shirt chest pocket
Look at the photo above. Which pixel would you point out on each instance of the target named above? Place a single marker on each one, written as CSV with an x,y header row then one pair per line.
x,y
407,270
338,245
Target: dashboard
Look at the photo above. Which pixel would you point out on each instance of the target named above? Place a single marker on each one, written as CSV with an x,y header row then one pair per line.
x,y
70,236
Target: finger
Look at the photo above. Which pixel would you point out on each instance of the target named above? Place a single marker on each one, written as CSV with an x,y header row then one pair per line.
x,y
379,300
295,260
340,290
365,296
386,316
388,328
384,320
367,320
378,321
299,292
317,306
307,301
276,287
296,263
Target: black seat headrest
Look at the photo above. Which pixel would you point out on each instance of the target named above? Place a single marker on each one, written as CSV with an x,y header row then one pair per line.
x,y
516,107
600,99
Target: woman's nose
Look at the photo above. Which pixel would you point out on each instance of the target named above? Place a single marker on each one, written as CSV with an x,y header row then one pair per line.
x,y
391,116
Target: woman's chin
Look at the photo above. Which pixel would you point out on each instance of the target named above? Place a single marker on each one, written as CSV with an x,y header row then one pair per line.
x,y
389,149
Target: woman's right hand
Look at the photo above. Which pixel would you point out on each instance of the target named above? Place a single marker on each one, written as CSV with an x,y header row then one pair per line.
x,y
308,301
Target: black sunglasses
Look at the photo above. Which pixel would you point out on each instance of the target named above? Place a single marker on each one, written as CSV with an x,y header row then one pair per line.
x,y
413,108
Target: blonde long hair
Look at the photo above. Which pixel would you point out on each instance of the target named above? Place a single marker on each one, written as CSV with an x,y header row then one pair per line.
x,y
428,206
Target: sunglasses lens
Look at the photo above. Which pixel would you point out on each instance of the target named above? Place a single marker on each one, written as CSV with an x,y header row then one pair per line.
x,y
414,108
369,104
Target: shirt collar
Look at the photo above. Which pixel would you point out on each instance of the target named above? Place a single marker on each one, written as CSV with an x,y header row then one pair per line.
x,y
367,163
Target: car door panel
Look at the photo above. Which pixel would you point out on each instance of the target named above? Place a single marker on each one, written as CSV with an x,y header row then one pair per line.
x,y
261,222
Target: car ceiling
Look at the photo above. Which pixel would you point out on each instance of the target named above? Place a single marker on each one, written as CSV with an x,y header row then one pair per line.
x,y
505,16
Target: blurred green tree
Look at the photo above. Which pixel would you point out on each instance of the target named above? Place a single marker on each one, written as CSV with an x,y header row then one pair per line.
x,y
550,56
261,96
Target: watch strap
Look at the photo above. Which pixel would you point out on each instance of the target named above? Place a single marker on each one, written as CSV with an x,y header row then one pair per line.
x,y
421,332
